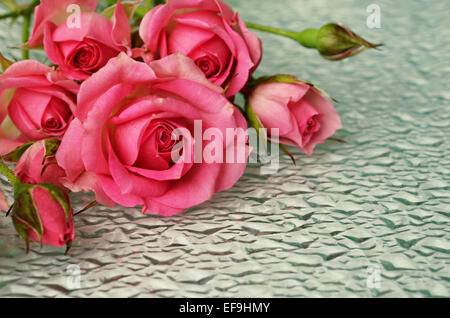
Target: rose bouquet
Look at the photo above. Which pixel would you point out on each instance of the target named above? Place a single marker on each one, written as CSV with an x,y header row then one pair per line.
x,y
136,104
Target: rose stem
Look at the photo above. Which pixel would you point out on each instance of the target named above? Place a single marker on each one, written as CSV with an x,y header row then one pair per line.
x,y
26,35
307,37
9,174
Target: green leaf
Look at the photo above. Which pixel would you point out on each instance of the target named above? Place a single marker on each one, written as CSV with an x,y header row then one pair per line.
x,y
22,230
255,122
51,147
129,7
5,63
16,154
24,211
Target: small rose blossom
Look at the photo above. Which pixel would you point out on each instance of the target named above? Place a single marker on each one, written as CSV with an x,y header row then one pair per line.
x,y
210,33
36,102
302,114
42,213
81,51
121,143
34,168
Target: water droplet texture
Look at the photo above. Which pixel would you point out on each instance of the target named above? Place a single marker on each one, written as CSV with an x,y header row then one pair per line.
x,y
381,199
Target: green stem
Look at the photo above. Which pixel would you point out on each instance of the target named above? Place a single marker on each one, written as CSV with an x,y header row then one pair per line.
x,y
307,37
10,15
9,174
26,35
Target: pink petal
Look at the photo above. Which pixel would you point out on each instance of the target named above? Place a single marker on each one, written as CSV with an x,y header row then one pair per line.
x,y
179,41
121,32
121,69
130,183
69,152
182,67
51,48
94,26
56,230
329,122
54,11
30,166
112,191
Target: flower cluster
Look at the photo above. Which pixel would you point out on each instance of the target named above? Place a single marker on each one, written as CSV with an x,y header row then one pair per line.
x,y
137,106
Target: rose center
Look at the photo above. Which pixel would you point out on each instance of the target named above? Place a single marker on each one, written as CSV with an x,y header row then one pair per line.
x,y
52,124
164,139
208,66
56,117
313,125
86,56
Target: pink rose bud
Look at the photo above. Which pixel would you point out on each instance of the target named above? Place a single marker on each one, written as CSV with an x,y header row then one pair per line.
x,y
337,42
302,114
208,32
82,47
36,102
42,213
38,164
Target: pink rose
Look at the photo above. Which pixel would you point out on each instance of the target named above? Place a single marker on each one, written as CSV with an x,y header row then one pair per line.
x,y
34,168
120,145
36,102
42,213
56,11
209,32
303,116
82,50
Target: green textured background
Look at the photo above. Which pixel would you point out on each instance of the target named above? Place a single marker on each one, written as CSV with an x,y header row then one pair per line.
x,y
374,209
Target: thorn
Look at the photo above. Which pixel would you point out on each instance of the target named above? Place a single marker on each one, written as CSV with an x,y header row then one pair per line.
x,y
68,247
286,151
10,209
378,47
338,140
90,205
27,243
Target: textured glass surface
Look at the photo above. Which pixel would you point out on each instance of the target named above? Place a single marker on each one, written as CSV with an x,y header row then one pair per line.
x,y
368,218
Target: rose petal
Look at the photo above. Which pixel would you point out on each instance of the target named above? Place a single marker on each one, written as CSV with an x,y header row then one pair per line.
x,y
329,122
121,32
69,152
121,69
56,12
